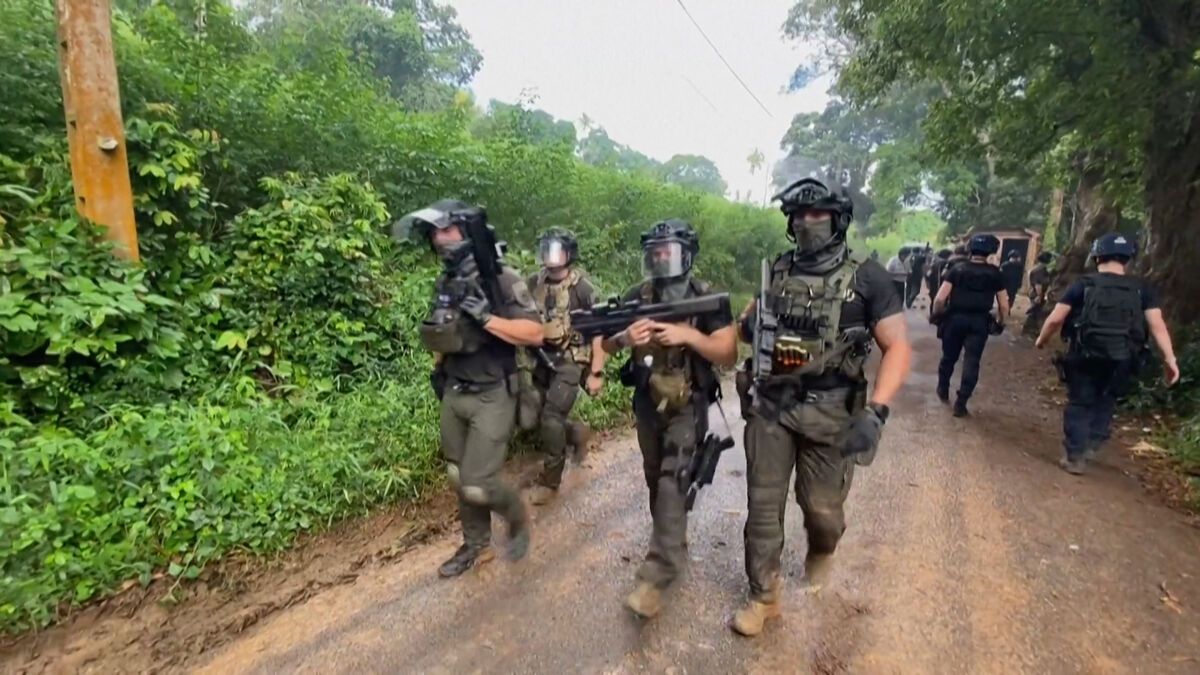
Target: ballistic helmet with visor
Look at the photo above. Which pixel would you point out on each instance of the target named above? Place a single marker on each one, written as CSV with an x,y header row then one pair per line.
x,y
557,247
669,249
811,195
420,224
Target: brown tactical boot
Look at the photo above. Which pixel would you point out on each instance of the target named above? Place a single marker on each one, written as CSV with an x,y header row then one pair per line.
x,y
749,620
645,601
541,495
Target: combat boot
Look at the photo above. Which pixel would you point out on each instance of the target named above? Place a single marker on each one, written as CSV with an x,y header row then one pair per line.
x,y
816,570
541,495
749,620
943,393
464,559
645,600
1075,467
960,407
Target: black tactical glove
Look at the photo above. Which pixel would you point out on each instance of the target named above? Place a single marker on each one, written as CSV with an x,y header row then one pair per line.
x,y
477,307
862,438
995,327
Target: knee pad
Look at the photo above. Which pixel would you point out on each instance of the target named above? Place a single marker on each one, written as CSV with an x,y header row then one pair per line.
x,y
473,494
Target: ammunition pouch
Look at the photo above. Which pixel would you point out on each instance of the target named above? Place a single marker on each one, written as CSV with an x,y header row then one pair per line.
x,y
556,334
447,331
670,391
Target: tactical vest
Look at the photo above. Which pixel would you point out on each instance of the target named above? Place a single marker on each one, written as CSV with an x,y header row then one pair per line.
x,y
446,330
556,320
1110,325
809,340
973,293
673,371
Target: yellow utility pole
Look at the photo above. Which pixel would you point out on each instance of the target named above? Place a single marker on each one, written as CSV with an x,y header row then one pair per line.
x,y
95,131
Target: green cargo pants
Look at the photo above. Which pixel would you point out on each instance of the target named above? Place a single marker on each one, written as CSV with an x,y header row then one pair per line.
x,y
805,437
475,430
667,443
559,394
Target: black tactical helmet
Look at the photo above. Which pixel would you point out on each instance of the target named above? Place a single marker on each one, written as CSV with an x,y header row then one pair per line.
x,y
1114,245
564,237
809,194
1014,255
1045,257
983,244
944,253
671,231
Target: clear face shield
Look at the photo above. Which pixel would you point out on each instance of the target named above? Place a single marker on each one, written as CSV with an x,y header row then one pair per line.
x,y
664,259
418,226
553,253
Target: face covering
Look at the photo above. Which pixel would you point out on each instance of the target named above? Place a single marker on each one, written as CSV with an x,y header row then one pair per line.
x,y
810,234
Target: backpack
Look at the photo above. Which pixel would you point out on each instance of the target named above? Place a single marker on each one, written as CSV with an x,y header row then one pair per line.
x,y
1110,325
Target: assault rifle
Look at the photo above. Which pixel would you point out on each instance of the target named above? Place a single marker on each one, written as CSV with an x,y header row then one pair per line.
x,y
702,469
614,316
488,253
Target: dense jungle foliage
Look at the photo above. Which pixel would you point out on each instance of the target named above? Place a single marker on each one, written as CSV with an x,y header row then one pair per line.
x,y
257,375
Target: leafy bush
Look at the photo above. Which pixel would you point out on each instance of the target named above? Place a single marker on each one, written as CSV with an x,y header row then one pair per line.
x,y
175,486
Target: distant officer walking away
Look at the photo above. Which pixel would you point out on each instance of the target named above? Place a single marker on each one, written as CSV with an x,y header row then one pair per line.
x,y
1039,290
933,277
670,369
1104,317
1013,271
557,289
805,394
476,323
964,302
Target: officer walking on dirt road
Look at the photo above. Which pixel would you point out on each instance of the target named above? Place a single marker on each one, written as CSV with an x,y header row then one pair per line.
x,y
1013,271
806,403
670,364
1104,317
557,289
963,305
482,311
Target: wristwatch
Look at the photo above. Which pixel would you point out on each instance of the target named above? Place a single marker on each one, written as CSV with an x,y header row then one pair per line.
x,y
880,409
597,373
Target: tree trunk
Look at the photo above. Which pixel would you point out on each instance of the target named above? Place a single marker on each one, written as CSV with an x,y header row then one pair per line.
x,y
1172,256
1097,215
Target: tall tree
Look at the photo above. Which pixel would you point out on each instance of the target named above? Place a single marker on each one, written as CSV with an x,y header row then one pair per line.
x,y
1021,75
695,172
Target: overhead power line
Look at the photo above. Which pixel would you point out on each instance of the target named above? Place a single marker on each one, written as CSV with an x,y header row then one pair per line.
x,y
720,56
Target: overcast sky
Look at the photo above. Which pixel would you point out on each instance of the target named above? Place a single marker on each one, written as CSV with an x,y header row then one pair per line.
x,y
641,70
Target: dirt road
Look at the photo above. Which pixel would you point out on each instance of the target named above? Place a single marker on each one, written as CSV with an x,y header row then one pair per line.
x,y
968,551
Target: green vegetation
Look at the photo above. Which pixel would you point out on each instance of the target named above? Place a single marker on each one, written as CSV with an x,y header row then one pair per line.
x,y
257,376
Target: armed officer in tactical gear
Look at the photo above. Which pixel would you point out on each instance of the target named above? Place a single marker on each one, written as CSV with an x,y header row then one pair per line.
x,y
671,370
804,391
559,288
963,305
1104,317
476,323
